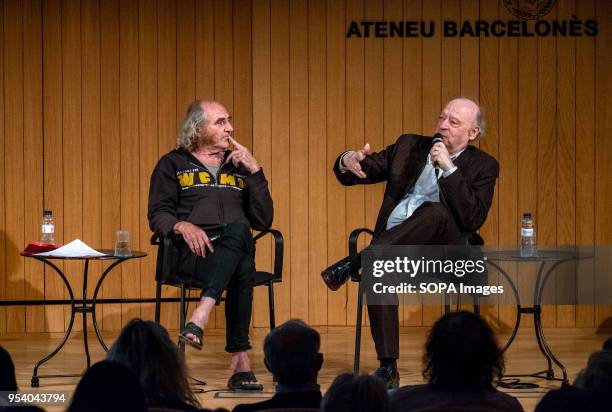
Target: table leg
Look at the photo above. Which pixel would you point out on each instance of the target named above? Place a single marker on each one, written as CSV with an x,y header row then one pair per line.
x,y
542,340
537,320
517,298
95,296
85,309
35,376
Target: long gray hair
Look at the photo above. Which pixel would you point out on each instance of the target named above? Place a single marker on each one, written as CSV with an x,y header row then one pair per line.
x,y
196,117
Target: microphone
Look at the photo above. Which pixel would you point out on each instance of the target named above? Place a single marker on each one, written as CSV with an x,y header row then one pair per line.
x,y
437,138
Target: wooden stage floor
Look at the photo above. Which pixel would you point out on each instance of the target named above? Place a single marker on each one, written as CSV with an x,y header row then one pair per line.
x,y
572,347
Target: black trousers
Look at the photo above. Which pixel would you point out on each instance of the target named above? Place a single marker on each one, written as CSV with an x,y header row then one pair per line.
x,y
230,267
431,223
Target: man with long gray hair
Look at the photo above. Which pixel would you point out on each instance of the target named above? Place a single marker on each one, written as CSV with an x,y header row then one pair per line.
x,y
208,198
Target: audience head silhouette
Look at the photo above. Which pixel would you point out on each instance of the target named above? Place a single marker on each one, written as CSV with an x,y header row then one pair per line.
x,y
8,382
108,387
292,353
597,377
146,348
461,351
607,345
350,393
591,391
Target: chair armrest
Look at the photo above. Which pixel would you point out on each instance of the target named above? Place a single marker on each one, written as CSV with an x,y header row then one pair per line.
x,y
156,239
352,248
354,237
279,249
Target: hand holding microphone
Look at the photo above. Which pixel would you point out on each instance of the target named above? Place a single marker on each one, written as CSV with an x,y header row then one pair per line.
x,y
439,153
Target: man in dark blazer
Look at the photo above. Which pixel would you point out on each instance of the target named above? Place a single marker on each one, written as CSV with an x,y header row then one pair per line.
x,y
434,192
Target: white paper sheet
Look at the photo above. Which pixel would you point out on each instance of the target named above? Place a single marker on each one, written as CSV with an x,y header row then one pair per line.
x,y
76,248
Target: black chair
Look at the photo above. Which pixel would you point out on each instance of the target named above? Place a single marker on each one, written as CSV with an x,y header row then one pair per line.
x,y
164,275
470,238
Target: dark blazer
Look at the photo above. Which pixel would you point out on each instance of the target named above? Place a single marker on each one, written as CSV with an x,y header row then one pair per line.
x,y
310,399
468,192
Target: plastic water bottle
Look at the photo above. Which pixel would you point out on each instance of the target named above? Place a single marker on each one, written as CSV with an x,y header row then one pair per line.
x,y
47,232
528,237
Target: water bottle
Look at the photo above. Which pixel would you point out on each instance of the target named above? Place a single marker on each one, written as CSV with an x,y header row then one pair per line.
x,y
528,237
47,233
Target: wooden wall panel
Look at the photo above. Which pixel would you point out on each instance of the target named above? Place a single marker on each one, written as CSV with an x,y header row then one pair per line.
x,y
262,138
71,139
129,146
110,153
317,162
92,94
2,182
527,150
53,149
585,148
566,150
91,134
33,142
298,157
603,148
470,47
546,220
148,130
14,168
450,53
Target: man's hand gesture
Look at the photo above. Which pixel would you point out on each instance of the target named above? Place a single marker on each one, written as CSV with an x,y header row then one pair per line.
x,y
242,156
351,160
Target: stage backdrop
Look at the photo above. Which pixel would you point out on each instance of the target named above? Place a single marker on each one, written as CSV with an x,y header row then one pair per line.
x,y
92,91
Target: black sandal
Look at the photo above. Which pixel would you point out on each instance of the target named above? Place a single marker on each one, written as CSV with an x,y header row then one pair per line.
x,y
192,328
239,382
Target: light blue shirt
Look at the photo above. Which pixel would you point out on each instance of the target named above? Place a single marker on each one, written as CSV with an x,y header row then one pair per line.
x,y
425,189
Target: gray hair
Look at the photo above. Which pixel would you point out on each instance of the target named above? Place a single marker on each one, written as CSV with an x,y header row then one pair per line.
x,y
196,117
481,121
